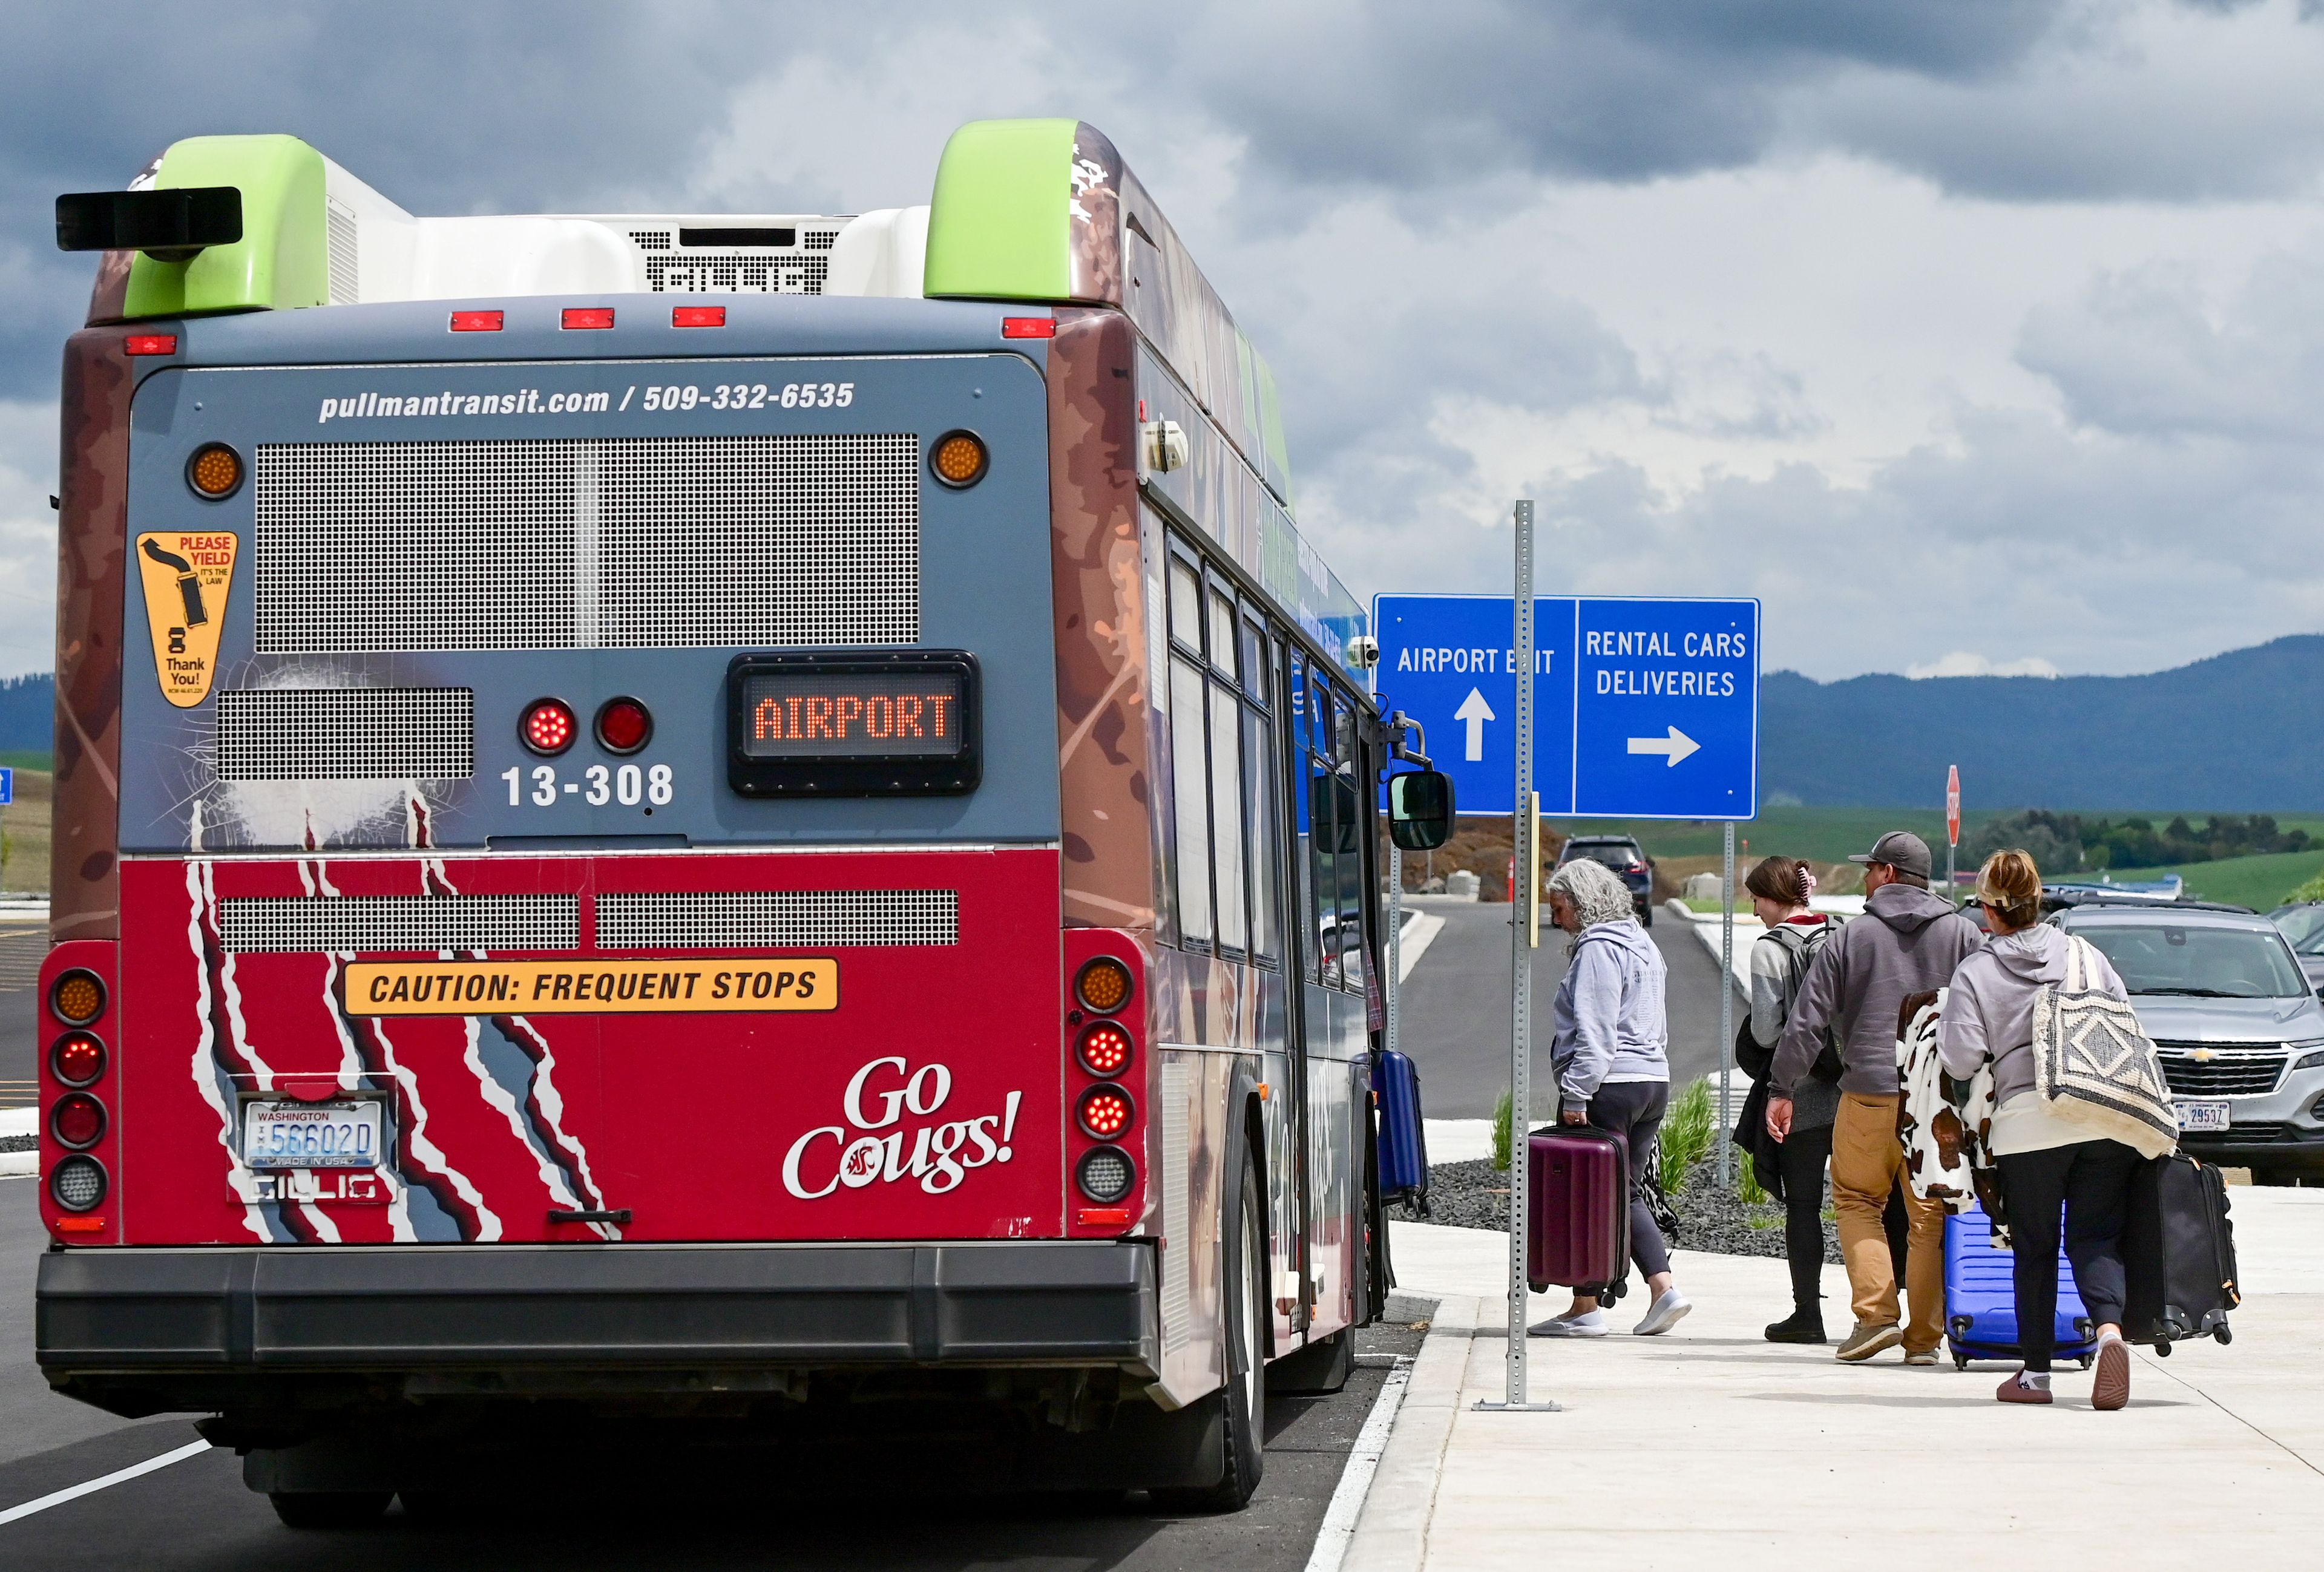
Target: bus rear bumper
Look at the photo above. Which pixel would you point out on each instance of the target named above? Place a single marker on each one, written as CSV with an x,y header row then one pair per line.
x,y
124,1327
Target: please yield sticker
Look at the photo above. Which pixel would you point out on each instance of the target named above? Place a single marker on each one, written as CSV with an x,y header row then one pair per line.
x,y
186,575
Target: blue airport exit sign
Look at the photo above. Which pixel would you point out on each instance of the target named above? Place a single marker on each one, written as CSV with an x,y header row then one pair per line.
x,y
1643,708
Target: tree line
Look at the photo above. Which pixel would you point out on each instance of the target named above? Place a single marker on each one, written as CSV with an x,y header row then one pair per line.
x,y
2073,843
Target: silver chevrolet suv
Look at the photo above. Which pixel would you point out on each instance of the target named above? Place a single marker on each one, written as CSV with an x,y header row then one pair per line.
x,y
2239,1025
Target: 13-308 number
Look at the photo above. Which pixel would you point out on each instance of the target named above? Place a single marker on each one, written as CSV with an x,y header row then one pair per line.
x,y
628,785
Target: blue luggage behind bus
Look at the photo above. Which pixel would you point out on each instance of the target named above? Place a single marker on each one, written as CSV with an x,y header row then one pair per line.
x,y
1981,1297
1403,1141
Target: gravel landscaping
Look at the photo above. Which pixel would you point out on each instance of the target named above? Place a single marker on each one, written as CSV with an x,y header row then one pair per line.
x,y
1476,1195
20,1143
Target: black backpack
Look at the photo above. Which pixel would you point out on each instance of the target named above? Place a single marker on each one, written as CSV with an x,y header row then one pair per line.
x,y
1755,1060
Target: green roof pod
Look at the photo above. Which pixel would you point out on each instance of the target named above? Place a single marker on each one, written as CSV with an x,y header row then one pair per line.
x,y
999,220
280,261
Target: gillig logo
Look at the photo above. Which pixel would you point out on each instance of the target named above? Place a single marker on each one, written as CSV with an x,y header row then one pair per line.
x,y
938,1155
186,575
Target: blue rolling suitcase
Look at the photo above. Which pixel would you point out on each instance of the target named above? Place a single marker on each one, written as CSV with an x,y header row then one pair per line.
x,y
1403,1141
1981,1297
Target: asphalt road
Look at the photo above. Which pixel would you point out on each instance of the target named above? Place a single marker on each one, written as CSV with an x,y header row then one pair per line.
x,y
1456,1008
198,1514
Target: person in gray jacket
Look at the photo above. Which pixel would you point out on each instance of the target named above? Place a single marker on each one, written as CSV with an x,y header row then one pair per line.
x,y
1907,941
2046,1162
1608,1040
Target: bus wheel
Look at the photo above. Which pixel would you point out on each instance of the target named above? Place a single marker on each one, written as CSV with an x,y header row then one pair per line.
x,y
1244,1400
337,1509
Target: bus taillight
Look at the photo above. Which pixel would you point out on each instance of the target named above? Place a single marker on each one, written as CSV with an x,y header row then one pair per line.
x,y
548,726
77,1059
78,999
1105,1111
1103,985
76,1120
1105,1175
1104,1049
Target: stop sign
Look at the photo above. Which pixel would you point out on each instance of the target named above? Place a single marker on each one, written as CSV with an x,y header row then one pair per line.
x,y
1952,805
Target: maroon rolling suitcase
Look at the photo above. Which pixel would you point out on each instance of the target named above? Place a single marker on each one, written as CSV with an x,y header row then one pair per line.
x,y
1578,1208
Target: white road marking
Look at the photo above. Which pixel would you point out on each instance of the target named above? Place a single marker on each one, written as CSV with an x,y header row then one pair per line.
x,y
75,1492
1339,1530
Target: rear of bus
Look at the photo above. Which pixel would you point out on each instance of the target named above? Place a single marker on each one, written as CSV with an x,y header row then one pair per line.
x,y
558,852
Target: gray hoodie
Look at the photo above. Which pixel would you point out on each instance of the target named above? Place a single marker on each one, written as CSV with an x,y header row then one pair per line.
x,y
1991,1009
1907,941
1608,1023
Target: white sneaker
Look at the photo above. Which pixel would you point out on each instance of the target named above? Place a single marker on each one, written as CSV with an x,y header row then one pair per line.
x,y
1663,1314
1588,1324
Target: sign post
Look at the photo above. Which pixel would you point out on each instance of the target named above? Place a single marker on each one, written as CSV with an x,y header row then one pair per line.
x,y
1725,1000
1524,933
1952,828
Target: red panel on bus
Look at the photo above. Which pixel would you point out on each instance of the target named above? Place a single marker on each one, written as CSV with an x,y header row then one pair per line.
x,y
896,1075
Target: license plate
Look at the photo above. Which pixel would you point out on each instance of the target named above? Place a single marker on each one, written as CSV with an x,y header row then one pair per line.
x,y
293,1134
2204,1115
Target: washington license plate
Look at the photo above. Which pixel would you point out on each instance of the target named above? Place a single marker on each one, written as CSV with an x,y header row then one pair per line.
x,y
2204,1115
293,1135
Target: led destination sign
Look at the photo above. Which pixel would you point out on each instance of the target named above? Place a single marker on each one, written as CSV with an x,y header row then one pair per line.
x,y
853,723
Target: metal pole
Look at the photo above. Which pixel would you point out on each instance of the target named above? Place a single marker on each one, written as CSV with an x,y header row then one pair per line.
x,y
1725,1000
1524,935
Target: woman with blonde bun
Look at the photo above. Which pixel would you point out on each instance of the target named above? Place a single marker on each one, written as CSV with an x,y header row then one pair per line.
x,y
2047,1163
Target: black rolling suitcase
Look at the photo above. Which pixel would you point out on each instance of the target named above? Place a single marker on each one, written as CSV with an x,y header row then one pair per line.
x,y
2179,1255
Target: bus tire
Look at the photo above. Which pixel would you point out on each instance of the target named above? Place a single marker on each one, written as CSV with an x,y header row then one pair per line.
x,y
1244,1400
334,1509
1320,1368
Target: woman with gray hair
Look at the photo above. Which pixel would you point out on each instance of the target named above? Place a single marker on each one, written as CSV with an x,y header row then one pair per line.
x,y
1608,1040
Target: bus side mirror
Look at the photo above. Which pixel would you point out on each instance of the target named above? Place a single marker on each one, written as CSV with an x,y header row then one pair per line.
x,y
1420,809
168,225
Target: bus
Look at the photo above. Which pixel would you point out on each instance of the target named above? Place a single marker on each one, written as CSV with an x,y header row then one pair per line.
x,y
755,829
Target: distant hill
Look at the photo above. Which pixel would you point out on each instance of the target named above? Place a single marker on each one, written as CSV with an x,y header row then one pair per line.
x,y
2239,733
28,714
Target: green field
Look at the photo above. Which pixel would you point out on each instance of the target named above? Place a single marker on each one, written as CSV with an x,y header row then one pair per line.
x,y
41,762
1834,835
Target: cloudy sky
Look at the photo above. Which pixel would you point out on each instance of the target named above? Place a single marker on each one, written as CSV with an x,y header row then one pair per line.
x,y
1979,335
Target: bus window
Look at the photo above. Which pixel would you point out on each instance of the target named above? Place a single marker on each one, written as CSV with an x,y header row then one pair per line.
x,y
1265,936
1303,826
1254,662
1222,633
1185,606
1324,920
1346,759
1190,790
1227,816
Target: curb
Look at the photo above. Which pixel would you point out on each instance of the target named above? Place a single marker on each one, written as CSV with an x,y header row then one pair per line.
x,y
19,1164
1392,1533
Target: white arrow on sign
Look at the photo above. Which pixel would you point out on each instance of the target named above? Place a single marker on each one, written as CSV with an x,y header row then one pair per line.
x,y
1476,712
1678,745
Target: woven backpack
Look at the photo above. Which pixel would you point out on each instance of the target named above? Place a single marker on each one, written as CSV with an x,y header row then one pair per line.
x,y
2094,1064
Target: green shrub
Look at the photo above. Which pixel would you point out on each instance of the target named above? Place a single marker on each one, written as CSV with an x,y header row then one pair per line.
x,y
1689,1128
2313,890
1501,1134
1747,1182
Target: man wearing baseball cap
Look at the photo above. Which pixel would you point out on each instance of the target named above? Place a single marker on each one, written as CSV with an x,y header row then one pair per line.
x,y
1908,939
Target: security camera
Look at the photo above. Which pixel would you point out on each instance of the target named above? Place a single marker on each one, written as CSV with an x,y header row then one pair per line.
x,y
1363,651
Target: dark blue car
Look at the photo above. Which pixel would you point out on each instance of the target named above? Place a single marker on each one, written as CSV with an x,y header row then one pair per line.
x,y
1628,860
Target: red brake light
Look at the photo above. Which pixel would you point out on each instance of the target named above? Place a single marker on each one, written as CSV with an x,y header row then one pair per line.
x,y
80,1225
1105,1111
623,726
548,726
693,316
150,343
1105,1049
77,1059
1028,327
78,1119
588,317
1102,1216
476,322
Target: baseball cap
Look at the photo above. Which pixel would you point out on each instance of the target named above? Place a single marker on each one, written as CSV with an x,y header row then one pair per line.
x,y
1900,849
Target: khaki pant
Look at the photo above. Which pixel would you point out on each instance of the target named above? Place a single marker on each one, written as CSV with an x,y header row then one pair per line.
x,y
1867,1162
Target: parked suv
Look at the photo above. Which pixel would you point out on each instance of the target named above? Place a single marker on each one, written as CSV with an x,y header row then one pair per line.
x,y
2303,926
2240,1029
1626,858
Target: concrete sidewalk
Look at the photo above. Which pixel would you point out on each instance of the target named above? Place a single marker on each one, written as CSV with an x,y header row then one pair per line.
x,y
1713,1448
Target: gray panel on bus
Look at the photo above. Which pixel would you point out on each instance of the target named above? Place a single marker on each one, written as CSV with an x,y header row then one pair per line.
x,y
533,529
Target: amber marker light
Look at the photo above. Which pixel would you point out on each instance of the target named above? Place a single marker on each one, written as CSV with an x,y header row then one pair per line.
x,y
959,458
1103,985
215,471
78,997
